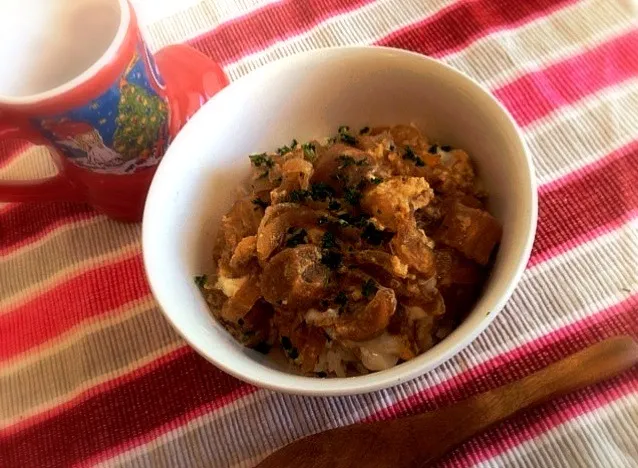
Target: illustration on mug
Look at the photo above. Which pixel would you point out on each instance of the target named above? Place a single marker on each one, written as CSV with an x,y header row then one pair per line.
x,y
123,130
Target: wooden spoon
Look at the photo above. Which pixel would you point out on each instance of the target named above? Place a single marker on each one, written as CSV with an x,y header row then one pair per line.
x,y
417,441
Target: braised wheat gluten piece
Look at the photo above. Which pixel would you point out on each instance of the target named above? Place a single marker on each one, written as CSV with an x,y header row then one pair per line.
x,y
355,254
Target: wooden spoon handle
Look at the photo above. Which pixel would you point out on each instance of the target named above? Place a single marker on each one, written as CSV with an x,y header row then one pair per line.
x,y
458,422
418,440
591,365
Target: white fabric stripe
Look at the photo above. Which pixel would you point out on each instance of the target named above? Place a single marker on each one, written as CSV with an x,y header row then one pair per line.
x,y
60,378
151,11
504,56
33,163
230,9
603,437
40,286
589,129
83,384
190,19
576,293
89,327
41,243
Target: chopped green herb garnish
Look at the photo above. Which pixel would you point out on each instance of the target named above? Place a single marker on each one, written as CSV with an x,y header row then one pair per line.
x,y
297,236
331,259
264,174
376,180
328,241
359,221
374,236
364,130
309,151
352,196
410,155
263,348
446,148
286,343
200,280
346,137
369,288
259,202
346,161
287,149
298,196
334,205
341,299
293,353
433,149
320,191
261,160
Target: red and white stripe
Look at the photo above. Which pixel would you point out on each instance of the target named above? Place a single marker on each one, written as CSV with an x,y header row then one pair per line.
x,y
177,407
582,439
493,352
556,217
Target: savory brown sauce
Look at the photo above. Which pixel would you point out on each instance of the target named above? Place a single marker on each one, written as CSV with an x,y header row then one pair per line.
x,y
354,254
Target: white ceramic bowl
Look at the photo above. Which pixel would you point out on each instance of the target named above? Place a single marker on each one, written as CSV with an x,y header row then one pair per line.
x,y
308,96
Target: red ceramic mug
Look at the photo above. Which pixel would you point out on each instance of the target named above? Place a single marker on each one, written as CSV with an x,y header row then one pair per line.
x,y
82,81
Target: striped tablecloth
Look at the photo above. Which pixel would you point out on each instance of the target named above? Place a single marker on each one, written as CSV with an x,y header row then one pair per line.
x,y
91,373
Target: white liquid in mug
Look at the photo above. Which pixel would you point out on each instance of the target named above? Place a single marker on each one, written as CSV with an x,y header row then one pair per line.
x,y
46,43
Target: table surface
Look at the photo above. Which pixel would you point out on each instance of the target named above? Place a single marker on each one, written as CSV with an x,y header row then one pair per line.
x,y
91,373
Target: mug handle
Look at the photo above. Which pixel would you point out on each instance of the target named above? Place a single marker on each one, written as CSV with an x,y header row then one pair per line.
x,y
57,187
